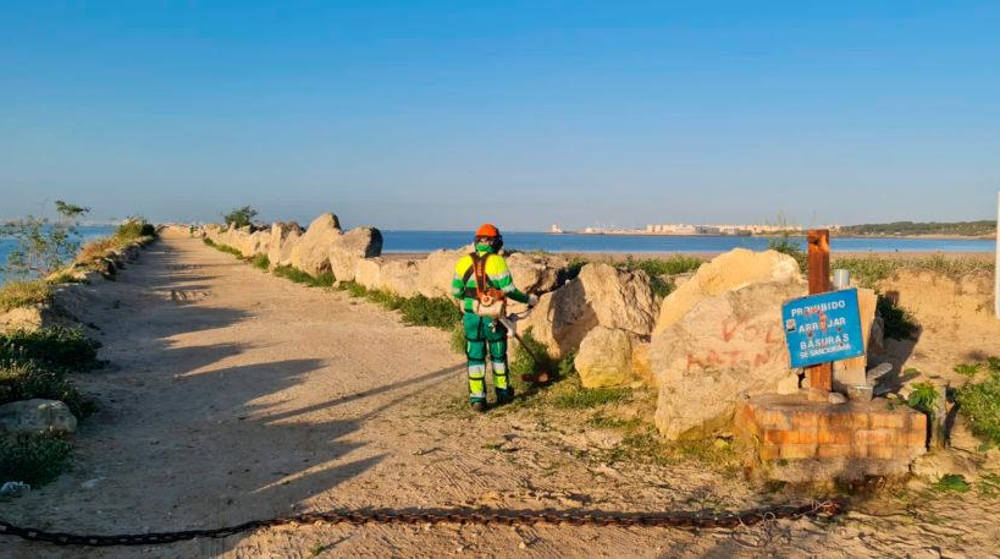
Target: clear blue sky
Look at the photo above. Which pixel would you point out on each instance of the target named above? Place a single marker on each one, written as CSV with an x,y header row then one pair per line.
x,y
439,115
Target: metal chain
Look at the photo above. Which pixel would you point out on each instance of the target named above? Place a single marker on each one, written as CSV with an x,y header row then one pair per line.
x,y
439,516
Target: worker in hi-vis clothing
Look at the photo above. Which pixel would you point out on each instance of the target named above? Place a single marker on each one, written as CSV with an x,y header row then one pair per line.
x,y
483,283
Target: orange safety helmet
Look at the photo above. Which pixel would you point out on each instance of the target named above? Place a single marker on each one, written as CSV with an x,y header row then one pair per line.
x,y
487,230
490,232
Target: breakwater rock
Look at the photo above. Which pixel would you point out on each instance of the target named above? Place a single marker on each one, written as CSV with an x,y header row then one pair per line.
x,y
719,339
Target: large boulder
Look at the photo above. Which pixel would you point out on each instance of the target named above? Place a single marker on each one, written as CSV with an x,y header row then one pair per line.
x,y
536,273
346,250
396,276
605,358
726,347
260,243
600,296
284,237
311,253
401,277
368,273
728,272
437,271
32,417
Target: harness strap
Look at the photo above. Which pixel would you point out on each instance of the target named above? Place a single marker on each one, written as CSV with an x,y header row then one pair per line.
x,y
478,269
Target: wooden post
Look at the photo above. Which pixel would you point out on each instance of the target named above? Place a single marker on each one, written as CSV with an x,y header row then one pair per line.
x,y
996,270
820,376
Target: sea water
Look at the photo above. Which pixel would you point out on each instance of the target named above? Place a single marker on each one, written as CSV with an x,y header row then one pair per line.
x,y
426,241
86,233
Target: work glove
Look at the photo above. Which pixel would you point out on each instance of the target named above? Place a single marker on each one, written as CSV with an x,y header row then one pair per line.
x,y
532,300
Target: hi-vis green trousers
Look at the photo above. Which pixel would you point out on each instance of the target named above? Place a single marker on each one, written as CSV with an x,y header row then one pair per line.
x,y
483,333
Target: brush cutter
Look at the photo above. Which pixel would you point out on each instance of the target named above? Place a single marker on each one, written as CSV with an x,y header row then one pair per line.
x,y
540,375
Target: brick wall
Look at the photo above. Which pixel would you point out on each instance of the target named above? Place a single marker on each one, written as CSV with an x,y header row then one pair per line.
x,y
868,434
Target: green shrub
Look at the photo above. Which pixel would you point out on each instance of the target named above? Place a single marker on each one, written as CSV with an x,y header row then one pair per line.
x,y
26,380
35,460
897,322
240,217
296,275
261,261
134,228
979,402
59,348
18,294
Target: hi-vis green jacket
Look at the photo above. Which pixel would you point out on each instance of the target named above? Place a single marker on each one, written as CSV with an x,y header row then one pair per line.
x,y
497,274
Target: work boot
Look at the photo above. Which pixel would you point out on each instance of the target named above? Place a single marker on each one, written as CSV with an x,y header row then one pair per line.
x,y
479,407
505,396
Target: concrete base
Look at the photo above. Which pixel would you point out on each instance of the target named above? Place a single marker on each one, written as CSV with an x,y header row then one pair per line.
x,y
790,438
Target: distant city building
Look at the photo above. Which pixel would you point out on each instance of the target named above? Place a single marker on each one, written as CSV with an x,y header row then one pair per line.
x,y
555,229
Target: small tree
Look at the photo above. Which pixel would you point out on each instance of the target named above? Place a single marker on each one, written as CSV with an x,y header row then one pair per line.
x,y
43,246
240,217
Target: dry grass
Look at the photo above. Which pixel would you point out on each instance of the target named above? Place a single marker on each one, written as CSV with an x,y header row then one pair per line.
x,y
97,249
18,294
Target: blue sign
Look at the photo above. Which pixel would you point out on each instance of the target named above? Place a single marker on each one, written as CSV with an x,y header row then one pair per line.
x,y
823,328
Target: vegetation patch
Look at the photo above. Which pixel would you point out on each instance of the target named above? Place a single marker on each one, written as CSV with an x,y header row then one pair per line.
x,y
659,270
676,264
227,249
298,276
25,381
952,483
523,363
587,398
57,348
924,399
437,312
979,402
34,460
419,310
867,271
261,262
18,294
133,230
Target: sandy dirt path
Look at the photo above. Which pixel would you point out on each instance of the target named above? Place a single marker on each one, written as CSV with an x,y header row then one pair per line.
x,y
234,395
